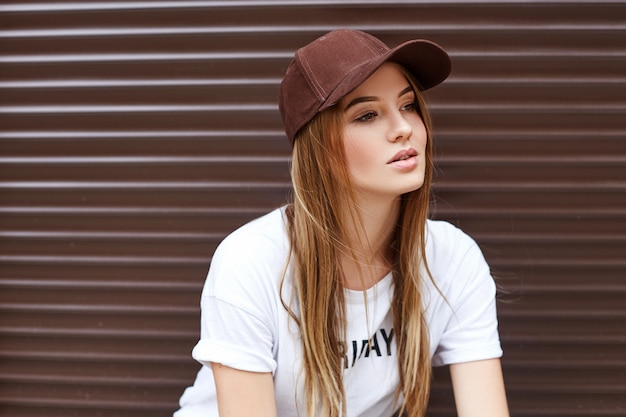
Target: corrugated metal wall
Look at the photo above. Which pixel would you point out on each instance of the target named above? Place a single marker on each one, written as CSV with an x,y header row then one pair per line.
x,y
135,135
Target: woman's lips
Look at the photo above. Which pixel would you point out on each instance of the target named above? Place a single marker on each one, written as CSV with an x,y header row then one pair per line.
x,y
404,160
403,155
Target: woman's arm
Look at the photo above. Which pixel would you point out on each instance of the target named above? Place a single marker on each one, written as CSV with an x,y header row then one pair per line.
x,y
243,393
479,389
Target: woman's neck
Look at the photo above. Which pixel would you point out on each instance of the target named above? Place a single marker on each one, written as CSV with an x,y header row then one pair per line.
x,y
369,257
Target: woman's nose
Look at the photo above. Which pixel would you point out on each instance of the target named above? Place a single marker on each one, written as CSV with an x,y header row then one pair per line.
x,y
399,128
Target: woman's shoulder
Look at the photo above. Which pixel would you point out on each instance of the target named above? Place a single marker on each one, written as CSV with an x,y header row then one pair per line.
x,y
251,258
261,234
448,247
441,234
268,222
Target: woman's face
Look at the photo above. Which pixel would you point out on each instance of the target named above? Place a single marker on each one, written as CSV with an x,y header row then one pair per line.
x,y
384,137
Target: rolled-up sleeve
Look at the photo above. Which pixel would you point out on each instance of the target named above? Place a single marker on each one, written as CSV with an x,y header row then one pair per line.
x,y
234,338
466,319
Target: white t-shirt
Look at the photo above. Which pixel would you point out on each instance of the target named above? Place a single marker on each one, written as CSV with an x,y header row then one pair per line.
x,y
245,326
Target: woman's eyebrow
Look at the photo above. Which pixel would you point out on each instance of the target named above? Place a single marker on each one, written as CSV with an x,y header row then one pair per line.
x,y
409,89
360,100
364,99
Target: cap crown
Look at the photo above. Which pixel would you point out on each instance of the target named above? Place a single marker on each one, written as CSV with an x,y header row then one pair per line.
x,y
331,66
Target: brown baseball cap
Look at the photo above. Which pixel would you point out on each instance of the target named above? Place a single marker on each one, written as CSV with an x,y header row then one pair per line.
x,y
331,66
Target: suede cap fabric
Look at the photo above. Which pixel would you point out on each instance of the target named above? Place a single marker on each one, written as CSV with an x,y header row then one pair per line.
x,y
325,70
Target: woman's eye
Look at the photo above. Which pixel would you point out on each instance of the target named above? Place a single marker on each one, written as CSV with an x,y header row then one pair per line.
x,y
409,107
366,117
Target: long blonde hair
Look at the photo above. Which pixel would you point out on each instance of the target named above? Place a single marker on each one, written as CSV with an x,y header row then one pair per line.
x,y
322,195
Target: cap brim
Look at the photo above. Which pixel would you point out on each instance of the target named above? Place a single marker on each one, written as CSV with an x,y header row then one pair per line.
x,y
427,61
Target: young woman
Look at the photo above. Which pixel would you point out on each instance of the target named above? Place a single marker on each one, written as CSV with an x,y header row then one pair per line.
x,y
339,303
